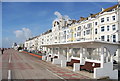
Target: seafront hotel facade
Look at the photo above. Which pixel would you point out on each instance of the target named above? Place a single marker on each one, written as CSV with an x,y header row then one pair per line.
x,y
90,43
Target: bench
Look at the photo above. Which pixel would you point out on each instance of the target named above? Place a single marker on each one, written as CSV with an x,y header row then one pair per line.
x,y
72,62
89,66
49,56
54,57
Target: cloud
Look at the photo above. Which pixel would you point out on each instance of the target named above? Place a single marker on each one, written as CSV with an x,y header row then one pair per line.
x,y
27,33
59,16
6,42
67,17
23,34
19,34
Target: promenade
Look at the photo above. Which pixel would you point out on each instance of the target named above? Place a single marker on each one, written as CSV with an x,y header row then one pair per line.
x,y
23,66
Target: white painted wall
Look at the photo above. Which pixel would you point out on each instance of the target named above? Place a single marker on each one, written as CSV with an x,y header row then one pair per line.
x,y
56,61
107,70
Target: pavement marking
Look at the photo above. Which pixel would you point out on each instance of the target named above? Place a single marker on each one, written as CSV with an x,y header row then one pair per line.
x,y
9,71
10,59
9,75
56,75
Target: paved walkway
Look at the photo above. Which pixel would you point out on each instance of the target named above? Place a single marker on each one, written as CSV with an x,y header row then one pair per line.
x,y
23,66
64,73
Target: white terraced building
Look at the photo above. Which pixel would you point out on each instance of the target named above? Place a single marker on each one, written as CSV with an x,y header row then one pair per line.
x,y
79,43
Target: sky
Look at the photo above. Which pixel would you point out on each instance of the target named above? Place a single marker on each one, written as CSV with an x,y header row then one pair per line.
x,y
21,20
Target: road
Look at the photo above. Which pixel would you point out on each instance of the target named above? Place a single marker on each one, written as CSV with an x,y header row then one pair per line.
x,y
17,65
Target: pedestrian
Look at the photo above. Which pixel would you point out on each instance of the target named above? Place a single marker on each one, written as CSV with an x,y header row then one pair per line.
x,y
2,50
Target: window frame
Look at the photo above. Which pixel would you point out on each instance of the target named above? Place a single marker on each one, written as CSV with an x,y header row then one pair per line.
x,y
88,32
102,20
108,38
79,28
102,28
103,38
108,18
114,38
108,28
113,27
113,18
96,31
96,23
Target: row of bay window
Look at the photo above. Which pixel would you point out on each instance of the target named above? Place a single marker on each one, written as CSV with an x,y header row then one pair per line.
x,y
96,23
108,38
103,28
88,32
108,28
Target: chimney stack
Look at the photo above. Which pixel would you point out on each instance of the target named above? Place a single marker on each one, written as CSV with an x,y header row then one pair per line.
x,y
91,14
82,18
102,9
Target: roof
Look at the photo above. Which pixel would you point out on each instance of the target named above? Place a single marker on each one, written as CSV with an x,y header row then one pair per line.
x,y
83,43
32,38
39,35
48,31
94,15
110,8
81,19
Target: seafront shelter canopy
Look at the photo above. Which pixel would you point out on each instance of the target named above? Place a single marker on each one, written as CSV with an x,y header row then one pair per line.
x,y
90,49
87,44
